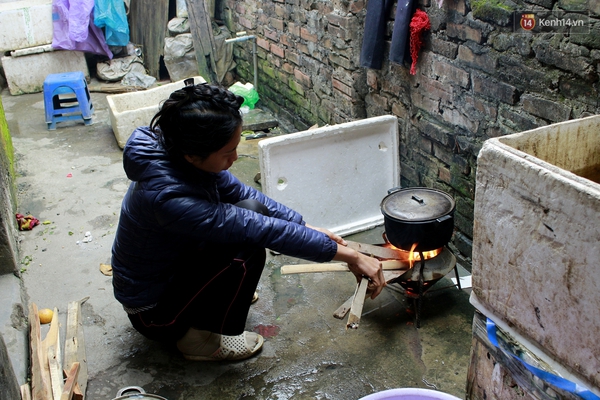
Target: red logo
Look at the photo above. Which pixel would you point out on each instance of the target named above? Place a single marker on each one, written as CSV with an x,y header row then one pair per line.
x,y
527,21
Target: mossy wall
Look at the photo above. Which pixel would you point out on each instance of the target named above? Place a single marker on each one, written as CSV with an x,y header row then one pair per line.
x,y
8,230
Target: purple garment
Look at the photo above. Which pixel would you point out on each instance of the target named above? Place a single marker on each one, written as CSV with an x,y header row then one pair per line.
x,y
74,28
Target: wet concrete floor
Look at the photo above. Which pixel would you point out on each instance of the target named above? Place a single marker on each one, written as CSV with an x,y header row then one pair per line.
x,y
72,179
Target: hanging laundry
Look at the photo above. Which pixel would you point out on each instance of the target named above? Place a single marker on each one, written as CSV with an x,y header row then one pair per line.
x,y
73,28
373,45
418,24
111,15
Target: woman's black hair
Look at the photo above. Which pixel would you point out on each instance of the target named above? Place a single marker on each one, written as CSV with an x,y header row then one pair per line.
x,y
197,120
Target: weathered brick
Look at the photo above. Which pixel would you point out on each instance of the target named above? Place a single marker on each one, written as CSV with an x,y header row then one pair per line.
x,y
400,110
277,23
271,34
306,35
517,121
577,65
487,86
293,57
356,6
294,29
546,109
286,41
463,32
281,12
262,43
277,50
372,79
343,88
450,74
455,117
484,62
302,78
378,101
444,174
458,6
408,172
339,20
337,32
444,48
246,23
434,131
479,109
341,61
425,103
287,67
296,86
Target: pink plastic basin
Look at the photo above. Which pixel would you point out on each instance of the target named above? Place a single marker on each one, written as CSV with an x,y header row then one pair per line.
x,y
410,394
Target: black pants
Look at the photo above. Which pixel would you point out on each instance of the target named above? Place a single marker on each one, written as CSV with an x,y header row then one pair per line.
x,y
373,46
213,293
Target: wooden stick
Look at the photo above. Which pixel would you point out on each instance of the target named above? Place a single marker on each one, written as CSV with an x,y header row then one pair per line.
x,y
40,378
357,304
67,393
336,267
52,353
25,392
342,310
74,343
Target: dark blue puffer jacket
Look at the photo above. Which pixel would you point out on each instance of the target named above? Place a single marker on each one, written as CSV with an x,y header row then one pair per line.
x,y
173,208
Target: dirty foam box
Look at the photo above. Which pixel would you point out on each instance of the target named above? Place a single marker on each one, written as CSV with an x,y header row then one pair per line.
x,y
335,176
26,74
131,110
25,23
536,244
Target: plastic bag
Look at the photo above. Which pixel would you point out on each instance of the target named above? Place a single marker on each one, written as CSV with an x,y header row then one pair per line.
x,y
73,29
110,15
115,69
247,91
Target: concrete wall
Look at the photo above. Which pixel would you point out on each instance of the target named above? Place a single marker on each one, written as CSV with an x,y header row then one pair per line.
x,y
475,79
8,230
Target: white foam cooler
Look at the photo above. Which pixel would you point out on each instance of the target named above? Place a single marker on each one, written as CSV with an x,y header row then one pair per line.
x,y
335,176
536,244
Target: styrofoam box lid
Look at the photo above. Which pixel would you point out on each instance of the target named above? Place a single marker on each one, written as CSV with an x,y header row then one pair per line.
x,y
335,176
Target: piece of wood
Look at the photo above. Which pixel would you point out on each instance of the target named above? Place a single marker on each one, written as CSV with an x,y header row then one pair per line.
x,y
148,21
203,39
40,377
337,267
25,392
378,251
74,343
342,310
77,395
52,356
357,304
72,375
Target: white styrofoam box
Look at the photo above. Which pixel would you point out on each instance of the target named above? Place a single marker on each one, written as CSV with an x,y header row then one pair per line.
x,y
536,244
26,74
335,176
25,23
129,111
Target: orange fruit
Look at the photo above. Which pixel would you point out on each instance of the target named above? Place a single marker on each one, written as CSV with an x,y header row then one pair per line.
x,y
45,315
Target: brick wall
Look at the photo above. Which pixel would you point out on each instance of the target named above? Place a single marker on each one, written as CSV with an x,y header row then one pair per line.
x,y
475,79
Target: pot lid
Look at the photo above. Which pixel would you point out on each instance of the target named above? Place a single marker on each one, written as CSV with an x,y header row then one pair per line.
x,y
417,204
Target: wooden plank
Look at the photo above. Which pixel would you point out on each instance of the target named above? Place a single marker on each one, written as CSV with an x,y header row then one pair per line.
x,y
40,379
148,29
378,251
342,310
337,267
52,356
72,375
357,304
25,392
203,38
75,345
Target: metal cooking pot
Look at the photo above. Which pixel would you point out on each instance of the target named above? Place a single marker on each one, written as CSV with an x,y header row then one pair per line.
x,y
137,393
418,215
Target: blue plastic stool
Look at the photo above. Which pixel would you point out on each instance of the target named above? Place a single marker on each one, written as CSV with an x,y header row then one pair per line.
x,y
67,98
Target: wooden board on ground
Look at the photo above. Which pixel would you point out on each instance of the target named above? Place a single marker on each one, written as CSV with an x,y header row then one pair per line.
x,y
74,344
40,377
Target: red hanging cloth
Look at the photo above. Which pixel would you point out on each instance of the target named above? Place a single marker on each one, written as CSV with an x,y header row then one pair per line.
x,y
418,24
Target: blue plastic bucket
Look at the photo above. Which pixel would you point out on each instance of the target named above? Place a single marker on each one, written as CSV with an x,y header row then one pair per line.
x,y
410,394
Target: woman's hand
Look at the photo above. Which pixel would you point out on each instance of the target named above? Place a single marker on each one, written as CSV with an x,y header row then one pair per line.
x,y
363,266
331,235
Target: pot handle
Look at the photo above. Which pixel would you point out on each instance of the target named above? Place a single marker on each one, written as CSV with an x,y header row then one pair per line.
x,y
394,189
444,218
132,389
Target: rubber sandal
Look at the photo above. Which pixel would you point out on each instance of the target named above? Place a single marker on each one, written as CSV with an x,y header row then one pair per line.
x,y
233,348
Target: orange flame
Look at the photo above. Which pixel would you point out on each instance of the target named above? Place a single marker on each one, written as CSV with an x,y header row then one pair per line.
x,y
412,256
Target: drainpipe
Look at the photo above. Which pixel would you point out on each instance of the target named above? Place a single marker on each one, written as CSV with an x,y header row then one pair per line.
x,y
242,37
